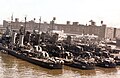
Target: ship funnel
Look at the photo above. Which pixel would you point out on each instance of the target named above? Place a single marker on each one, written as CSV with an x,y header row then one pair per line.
x,y
21,40
14,37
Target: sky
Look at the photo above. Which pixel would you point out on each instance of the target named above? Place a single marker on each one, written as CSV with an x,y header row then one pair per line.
x,y
81,11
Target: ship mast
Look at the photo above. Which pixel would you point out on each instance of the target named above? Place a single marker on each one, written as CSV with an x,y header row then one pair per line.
x,y
39,23
34,25
11,21
25,25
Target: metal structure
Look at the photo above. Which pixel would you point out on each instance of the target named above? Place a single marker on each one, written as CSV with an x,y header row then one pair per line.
x,y
53,20
39,23
25,25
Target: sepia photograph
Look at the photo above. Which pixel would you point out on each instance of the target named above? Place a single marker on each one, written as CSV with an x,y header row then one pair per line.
x,y
59,39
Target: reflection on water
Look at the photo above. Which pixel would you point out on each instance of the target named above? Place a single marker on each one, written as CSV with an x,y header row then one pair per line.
x,y
11,67
81,72
108,70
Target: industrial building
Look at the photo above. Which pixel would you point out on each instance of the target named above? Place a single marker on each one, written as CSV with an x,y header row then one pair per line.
x,y
102,31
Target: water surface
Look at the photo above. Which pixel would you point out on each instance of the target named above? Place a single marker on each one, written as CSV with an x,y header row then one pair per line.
x,y
12,67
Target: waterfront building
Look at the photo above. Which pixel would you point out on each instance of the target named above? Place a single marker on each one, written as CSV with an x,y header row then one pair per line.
x,y
103,32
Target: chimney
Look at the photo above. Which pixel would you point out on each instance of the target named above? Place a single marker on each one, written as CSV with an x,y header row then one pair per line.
x,y
16,19
92,23
68,22
75,23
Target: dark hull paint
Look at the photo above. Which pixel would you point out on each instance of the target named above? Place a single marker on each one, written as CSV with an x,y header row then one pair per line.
x,y
108,65
81,66
33,60
118,62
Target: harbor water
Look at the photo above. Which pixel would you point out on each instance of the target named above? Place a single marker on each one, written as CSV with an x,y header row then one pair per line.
x,y
12,67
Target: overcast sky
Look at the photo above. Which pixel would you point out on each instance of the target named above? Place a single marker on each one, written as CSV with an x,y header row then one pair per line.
x,y
64,10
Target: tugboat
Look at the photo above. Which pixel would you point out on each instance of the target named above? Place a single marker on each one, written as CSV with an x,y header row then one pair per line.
x,y
55,48
58,52
26,52
105,60
84,61
43,61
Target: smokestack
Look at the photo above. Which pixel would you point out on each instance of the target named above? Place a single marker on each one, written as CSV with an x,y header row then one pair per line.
x,y
101,22
75,23
16,19
68,22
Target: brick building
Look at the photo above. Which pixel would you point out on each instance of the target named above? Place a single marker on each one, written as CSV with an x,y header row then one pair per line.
x,y
102,31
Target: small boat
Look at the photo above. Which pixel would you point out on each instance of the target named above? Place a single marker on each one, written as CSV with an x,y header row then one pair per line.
x,y
104,60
